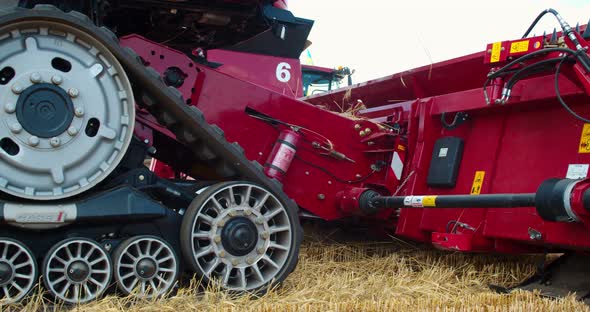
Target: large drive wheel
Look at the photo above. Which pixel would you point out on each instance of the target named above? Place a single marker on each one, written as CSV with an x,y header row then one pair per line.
x,y
241,236
66,110
146,266
77,270
18,270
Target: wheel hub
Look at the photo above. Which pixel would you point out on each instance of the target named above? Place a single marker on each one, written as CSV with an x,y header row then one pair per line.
x,y
78,271
239,236
5,273
44,110
146,268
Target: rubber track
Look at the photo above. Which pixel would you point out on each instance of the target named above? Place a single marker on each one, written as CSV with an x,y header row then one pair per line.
x,y
207,141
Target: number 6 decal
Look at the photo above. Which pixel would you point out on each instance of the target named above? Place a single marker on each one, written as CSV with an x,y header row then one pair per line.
x,y
283,74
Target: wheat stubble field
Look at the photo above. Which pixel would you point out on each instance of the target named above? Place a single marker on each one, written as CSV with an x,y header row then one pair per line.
x,y
337,275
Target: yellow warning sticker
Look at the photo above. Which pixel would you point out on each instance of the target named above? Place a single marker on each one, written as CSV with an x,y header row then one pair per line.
x,y
429,201
519,46
496,48
584,147
477,182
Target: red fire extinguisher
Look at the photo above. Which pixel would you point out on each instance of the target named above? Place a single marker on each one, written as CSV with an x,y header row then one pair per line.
x,y
282,154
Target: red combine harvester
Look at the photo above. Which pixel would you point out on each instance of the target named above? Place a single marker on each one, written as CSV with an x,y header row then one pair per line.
x,y
210,88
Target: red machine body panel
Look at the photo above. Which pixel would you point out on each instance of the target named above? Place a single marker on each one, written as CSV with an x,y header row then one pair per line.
x,y
517,145
388,146
223,100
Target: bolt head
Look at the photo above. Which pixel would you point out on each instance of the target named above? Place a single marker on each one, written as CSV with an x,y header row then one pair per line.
x,y
33,141
260,250
35,78
232,213
55,142
17,89
362,133
235,262
73,92
72,131
10,108
141,177
221,223
367,131
250,260
57,79
79,112
248,212
265,235
259,220
357,127
321,196
222,254
217,239
16,127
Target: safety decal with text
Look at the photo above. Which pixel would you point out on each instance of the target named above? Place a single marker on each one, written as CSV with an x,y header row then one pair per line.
x,y
477,182
584,146
519,46
496,49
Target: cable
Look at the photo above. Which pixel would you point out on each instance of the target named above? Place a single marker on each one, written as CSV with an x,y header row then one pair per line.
x,y
530,70
528,56
560,99
326,171
528,31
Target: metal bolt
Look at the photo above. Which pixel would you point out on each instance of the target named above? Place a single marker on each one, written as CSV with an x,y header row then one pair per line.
x,y
222,254
259,153
235,262
221,223
358,176
33,141
9,108
79,112
321,196
146,141
250,260
362,133
306,172
248,212
265,235
367,131
217,239
141,177
357,127
141,272
260,250
329,182
259,220
502,49
35,78
57,79
73,92
489,51
108,246
17,89
72,131
55,142
232,213
16,127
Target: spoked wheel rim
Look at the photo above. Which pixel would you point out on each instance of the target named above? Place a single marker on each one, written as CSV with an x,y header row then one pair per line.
x,y
146,266
67,110
18,270
77,270
240,236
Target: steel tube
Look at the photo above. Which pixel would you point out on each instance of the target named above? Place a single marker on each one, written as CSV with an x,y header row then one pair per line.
x,y
455,201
